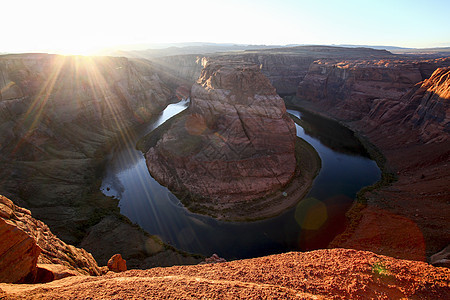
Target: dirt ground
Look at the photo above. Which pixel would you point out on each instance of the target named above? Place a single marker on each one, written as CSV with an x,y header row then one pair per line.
x,y
320,274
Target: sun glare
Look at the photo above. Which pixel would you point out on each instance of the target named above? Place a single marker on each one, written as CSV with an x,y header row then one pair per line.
x,y
78,49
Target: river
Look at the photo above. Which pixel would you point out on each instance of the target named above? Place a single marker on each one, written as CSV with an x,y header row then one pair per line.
x,y
346,168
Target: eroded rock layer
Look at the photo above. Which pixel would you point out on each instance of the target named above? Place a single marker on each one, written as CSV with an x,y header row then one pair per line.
x,y
235,143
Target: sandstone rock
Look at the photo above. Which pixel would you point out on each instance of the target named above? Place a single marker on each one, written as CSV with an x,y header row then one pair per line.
x,y
141,250
18,254
422,114
54,272
111,236
52,250
432,115
236,142
117,264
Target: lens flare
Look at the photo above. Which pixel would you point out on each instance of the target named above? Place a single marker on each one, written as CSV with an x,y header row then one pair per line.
x,y
311,214
195,124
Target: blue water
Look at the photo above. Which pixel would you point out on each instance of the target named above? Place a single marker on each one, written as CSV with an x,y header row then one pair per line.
x,y
309,225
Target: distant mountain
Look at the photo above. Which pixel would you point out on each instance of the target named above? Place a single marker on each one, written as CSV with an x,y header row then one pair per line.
x,y
440,51
160,50
436,51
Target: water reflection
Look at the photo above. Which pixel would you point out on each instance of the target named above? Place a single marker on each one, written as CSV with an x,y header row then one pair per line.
x,y
345,169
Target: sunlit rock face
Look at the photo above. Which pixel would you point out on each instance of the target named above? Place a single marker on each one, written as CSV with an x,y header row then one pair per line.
x,y
432,115
236,141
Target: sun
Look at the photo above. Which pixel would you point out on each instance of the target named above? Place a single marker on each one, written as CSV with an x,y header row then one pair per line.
x,y
77,47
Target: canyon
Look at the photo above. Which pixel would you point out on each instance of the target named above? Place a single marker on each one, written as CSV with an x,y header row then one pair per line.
x,y
60,115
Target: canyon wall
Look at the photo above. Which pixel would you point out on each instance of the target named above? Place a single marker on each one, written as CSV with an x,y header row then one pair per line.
x,y
235,143
59,115
349,89
408,120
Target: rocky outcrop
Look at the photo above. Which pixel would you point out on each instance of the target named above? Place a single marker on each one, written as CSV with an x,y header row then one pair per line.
x,y
18,251
350,89
117,264
320,274
432,114
214,259
234,144
30,241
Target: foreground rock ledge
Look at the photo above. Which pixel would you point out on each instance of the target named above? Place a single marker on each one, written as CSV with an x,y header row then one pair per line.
x,y
320,274
235,143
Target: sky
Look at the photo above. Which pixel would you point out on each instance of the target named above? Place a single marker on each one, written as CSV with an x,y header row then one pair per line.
x,y
86,26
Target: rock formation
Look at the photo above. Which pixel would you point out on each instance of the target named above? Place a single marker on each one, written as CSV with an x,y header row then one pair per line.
x,y
117,264
431,116
442,258
235,143
28,241
18,251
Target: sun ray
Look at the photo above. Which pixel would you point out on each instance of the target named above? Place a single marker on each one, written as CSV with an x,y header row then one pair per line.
x,y
101,89
36,108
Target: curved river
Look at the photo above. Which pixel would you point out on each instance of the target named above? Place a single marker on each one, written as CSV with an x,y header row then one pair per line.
x,y
346,168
